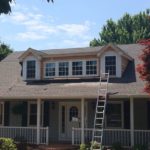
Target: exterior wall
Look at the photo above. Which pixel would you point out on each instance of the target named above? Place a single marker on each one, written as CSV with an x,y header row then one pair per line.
x,y
140,114
124,64
14,119
37,76
110,52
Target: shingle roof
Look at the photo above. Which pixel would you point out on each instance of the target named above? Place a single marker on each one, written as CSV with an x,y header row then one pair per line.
x,y
12,86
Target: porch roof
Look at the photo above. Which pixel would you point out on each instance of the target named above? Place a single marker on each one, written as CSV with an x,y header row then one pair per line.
x,y
12,86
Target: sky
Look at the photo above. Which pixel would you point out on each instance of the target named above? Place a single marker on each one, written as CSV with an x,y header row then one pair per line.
x,y
62,24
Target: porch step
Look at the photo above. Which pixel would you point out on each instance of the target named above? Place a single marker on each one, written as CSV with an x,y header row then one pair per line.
x,y
57,147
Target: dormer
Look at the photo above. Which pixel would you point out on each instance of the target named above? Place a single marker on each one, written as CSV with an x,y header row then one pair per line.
x,y
31,64
113,60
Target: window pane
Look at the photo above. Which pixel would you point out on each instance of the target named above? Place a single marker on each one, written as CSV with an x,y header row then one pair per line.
x,y
33,114
114,115
63,68
50,69
91,67
110,65
77,68
1,113
31,65
73,112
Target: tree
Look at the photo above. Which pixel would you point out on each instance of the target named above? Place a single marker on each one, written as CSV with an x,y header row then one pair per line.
x,y
144,67
5,6
128,29
4,50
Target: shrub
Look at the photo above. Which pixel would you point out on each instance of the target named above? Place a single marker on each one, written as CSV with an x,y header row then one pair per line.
x,y
7,144
116,146
83,147
140,147
95,145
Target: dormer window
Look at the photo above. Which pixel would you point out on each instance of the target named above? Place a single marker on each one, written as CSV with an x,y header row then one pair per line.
x,y
63,68
50,69
31,69
77,68
110,65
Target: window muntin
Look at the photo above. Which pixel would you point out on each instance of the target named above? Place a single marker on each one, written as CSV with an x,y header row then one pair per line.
x,y
91,67
110,65
50,69
114,115
77,68
31,69
63,68
73,112
1,113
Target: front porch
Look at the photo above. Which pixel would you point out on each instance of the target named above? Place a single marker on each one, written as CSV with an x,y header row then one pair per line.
x,y
47,121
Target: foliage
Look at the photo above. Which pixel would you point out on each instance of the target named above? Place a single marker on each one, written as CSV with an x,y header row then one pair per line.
x,y
140,147
128,29
144,67
4,50
95,145
116,146
83,147
7,144
5,6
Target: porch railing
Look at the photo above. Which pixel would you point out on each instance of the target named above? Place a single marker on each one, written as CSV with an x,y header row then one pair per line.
x,y
142,137
27,134
110,136
113,135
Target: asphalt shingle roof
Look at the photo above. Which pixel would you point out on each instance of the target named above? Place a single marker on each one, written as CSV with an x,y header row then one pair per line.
x,y
12,86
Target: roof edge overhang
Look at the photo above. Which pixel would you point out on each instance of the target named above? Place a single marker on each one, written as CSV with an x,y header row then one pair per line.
x,y
68,97
115,48
31,51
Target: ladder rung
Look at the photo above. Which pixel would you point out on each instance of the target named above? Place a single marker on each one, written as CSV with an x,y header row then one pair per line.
x,y
100,106
98,112
98,124
98,136
99,118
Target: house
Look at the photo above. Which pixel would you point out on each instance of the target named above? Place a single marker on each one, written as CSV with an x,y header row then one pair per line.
x,y
49,96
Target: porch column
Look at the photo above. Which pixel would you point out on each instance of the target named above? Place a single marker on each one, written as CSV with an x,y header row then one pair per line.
x,y
132,120
82,120
38,119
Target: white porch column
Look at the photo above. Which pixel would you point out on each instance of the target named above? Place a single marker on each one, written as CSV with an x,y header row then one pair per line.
x,y
132,120
38,119
82,120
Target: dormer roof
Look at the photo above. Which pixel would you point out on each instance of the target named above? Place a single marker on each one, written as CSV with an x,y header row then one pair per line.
x,y
30,51
114,48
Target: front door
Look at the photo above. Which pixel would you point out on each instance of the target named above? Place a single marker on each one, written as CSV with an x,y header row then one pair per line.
x,y
69,117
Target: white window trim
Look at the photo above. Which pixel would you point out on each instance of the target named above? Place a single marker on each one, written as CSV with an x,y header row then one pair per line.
x,y
42,113
2,103
116,64
70,68
122,115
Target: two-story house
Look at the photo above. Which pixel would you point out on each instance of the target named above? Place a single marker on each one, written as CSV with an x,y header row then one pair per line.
x,y
50,95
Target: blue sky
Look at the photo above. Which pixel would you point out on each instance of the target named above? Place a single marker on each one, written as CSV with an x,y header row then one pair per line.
x,y
64,24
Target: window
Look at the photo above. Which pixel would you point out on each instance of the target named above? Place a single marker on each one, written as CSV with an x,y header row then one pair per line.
x,y
114,115
77,68
33,114
63,68
31,65
73,112
50,69
1,113
91,67
110,65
